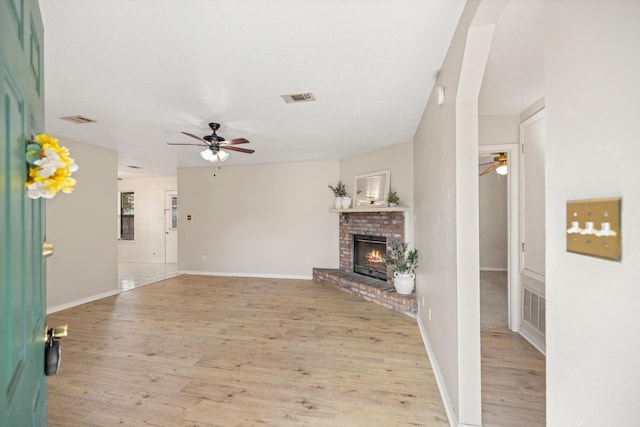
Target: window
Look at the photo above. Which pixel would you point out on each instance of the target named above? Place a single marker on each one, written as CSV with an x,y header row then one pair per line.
x,y
174,212
126,217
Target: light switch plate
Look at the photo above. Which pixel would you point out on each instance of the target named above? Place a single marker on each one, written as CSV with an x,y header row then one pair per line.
x,y
594,228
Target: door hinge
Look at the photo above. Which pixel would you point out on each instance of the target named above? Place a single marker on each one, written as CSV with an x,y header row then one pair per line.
x,y
522,246
522,147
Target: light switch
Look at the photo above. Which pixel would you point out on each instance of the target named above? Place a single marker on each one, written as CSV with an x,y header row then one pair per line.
x,y
593,228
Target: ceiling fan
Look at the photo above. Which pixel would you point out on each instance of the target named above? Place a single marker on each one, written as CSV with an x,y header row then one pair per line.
x,y
215,145
499,164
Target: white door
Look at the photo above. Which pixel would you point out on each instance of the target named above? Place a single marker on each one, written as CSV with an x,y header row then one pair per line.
x,y
533,138
171,228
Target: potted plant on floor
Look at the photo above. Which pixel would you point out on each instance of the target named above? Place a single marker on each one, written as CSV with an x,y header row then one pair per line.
x,y
339,191
403,263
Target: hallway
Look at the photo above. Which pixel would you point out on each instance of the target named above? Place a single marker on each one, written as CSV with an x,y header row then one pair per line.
x,y
513,371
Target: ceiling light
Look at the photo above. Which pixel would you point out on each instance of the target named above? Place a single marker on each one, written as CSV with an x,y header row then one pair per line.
x,y
502,169
214,157
223,155
208,155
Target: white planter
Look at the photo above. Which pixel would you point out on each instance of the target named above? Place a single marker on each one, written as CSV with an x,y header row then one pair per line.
x,y
404,282
346,202
338,202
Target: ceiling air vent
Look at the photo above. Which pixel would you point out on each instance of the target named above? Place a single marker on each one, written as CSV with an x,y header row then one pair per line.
x,y
298,97
78,119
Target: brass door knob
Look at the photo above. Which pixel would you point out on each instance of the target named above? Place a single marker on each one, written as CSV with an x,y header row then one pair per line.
x,y
59,332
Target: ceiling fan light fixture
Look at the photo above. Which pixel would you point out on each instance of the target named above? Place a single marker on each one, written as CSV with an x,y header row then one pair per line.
x,y
502,169
208,155
222,155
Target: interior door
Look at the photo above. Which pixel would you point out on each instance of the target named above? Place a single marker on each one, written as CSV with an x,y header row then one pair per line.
x,y
23,394
171,228
533,138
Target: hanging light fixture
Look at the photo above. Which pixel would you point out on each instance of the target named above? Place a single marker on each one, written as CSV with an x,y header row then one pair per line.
x,y
499,165
214,157
502,169
223,155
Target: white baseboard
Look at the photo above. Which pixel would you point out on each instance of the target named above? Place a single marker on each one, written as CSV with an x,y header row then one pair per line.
x,y
258,275
82,301
533,339
448,406
494,269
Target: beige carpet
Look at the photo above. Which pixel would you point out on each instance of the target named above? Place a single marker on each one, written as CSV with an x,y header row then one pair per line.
x,y
493,298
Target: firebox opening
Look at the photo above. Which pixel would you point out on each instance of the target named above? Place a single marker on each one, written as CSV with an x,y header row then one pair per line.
x,y
367,256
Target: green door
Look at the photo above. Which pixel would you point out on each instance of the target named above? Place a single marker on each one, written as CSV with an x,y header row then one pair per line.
x,y
23,393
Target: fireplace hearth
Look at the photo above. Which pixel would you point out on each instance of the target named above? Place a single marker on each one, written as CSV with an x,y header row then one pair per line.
x,y
367,256
388,223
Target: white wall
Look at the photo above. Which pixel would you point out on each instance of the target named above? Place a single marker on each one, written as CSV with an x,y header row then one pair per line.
x,y
495,130
592,94
149,221
493,222
446,208
398,158
259,220
82,228
435,222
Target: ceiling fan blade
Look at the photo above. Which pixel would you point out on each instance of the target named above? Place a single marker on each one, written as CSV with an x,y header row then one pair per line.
x,y
193,136
242,150
485,164
490,168
180,143
237,141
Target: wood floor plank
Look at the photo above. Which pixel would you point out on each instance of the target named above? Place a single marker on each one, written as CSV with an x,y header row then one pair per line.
x,y
228,351
513,380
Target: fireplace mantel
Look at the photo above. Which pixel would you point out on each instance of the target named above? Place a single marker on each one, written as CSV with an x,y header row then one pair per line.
x,y
380,209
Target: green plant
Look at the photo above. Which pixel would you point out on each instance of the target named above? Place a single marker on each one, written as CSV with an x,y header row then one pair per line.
x,y
392,197
339,190
400,259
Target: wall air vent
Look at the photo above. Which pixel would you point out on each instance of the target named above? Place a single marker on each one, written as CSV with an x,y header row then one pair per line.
x,y
78,119
298,97
534,310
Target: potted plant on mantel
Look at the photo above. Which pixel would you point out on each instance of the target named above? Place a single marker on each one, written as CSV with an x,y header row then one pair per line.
x,y
393,199
342,199
403,262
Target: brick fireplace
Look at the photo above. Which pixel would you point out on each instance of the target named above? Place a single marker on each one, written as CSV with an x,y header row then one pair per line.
x,y
386,222
378,223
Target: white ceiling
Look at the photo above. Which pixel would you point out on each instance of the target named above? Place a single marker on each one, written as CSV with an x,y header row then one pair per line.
x,y
514,77
148,69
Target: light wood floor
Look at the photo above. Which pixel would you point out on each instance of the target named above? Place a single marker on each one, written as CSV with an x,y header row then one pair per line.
x,y
513,371
215,351
513,380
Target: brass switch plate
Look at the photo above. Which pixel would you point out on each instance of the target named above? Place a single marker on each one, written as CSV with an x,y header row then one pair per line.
x,y
594,228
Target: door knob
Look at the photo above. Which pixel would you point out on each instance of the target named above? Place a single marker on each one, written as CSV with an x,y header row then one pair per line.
x,y
52,350
47,249
59,332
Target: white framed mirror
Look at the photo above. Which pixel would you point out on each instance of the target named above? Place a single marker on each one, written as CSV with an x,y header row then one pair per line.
x,y
370,189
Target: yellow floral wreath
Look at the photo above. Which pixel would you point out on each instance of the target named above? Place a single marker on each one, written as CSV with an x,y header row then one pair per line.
x,y
50,168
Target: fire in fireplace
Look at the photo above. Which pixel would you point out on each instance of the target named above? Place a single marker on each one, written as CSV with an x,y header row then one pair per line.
x,y
367,256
